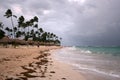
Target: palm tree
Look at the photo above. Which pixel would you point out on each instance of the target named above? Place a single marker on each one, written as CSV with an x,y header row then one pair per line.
x,y
15,29
41,30
11,32
54,37
32,32
22,24
51,36
2,34
18,34
44,36
8,14
8,30
35,37
48,36
36,25
36,20
27,34
1,25
20,21
29,23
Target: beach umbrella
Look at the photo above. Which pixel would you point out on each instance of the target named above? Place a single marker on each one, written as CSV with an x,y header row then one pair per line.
x,y
5,39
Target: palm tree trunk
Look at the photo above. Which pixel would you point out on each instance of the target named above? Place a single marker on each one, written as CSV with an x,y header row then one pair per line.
x,y
13,27
28,31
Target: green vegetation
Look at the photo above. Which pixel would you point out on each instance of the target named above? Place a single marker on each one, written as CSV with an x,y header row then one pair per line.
x,y
2,33
26,32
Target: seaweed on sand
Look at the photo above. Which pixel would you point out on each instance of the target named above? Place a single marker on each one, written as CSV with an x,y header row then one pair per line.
x,y
42,62
27,73
41,56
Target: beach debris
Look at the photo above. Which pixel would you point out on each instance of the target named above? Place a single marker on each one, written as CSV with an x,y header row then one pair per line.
x,y
15,78
29,70
50,75
41,56
35,69
6,59
52,71
63,78
42,75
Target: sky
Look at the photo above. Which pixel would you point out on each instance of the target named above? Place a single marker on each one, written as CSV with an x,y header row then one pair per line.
x,y
78,22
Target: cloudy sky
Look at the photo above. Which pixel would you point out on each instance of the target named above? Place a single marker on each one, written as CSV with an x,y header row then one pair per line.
x,y
78,22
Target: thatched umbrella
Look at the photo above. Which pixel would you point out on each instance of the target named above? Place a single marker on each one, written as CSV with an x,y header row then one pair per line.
x,y
5,39
18,41
30,42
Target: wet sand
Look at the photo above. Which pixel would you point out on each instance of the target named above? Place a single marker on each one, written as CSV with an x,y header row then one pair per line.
x,y
32,63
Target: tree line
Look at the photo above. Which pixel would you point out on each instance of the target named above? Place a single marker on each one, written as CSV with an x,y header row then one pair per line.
x,y
27,30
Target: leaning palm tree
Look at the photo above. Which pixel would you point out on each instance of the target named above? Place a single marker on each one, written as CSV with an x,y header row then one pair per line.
x,y
8,14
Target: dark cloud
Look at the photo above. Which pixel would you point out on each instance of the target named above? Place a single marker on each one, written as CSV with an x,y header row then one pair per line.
x,y
78,22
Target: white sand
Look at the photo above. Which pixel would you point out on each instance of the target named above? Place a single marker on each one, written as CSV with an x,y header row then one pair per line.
x,y
12,59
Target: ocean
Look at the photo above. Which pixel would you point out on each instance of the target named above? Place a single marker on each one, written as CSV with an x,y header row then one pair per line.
x,y
95,63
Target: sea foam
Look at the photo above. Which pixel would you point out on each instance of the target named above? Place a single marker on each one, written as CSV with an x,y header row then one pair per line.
x,y
85,67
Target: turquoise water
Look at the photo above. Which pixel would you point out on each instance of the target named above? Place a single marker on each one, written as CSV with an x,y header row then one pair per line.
x,y
96,63
115,51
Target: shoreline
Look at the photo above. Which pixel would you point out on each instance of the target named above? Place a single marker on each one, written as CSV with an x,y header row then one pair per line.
x,y
34,63
65,71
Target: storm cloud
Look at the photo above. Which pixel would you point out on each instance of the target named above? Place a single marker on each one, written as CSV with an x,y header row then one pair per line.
x,y
78,22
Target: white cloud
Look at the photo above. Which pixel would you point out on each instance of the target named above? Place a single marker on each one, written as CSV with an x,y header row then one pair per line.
x,y
17,9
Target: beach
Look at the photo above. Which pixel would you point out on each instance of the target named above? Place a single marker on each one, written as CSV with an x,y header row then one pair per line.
x,y
95,63
33,63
